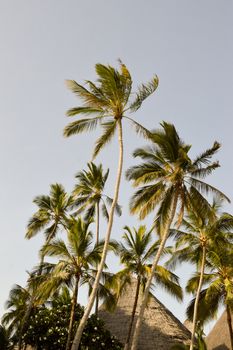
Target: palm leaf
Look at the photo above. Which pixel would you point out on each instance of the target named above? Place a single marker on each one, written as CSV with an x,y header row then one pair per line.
x,y
205,157
109,130
83,110
144,91
90,99
141,130
81,125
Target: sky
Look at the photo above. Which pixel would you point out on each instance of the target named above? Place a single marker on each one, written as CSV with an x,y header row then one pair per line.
x,y
188,44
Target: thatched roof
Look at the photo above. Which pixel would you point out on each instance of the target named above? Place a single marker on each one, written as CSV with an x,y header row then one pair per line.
x,y
188,324
160,329
219,338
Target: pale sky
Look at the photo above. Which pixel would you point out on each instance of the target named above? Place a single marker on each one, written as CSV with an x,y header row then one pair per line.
x,y
188,44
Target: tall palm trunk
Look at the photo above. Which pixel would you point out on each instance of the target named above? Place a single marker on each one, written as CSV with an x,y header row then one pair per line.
x,y
197,297
229,321
31,302
97,242
133,314
72,313
153,268
83,321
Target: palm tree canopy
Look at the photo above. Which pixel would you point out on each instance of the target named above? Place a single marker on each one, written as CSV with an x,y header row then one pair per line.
x,y
106,102
52,212
198,230
166,172
218,284
77,258
16,304
136,252
89,191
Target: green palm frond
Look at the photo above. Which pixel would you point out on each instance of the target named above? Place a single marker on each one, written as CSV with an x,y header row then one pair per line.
x,y
83,110
141,130
106,137
82,125
90,99
201,173
146,199
206,156
56,248
168,281
144,173
144,91
206,311
206,188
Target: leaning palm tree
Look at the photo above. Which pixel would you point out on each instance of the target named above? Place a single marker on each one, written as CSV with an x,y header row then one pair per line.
x,y
89,196
50,217
218,287
107,103
202,234
169,179
136,252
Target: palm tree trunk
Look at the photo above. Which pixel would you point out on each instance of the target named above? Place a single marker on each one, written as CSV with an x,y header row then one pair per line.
x,y
31,302
133,314
229,321
197,297
83,321
72,313
153,268
97,242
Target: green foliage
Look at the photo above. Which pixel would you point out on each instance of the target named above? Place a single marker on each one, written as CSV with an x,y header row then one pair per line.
x,y
89,193
5,342
48,329
107,102
167,172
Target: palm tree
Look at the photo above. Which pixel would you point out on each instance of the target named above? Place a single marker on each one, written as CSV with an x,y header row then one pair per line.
x,y
169,180
219,287
76,265
75,260
50,217
89,196
16,304
135,254
106,103
52,213
202,234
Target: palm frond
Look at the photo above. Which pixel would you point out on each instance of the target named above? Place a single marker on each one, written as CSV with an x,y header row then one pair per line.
x,y
140,129
205,157
81,125
106,137
206,188
144,91
90,99
83,110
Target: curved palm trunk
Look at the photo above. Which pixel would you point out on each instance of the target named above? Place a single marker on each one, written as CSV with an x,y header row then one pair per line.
x,y
83,321
72,313
197,297
229,322
154,265
31,302
97,241
133,314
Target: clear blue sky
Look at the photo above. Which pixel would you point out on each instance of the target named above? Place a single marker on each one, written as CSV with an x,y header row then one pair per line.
x,y
187,43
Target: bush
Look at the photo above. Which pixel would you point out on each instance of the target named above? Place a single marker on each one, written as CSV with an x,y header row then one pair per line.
x,y
48,330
